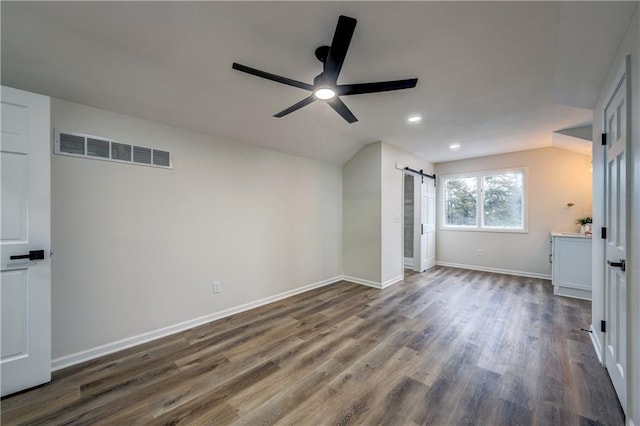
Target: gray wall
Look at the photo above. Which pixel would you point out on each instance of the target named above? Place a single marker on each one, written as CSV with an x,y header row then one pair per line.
x,y
555,177
137,248
361,215
394,160
373,182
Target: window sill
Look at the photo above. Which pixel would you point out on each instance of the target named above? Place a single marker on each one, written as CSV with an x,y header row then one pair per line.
x,y
496,230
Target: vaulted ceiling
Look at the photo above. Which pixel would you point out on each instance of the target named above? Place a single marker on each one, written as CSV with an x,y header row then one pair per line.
x,y
493,76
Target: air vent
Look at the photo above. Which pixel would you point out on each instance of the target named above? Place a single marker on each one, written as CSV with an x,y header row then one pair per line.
x,y
142,155
72,144
100,148
97,148
120,151
161,158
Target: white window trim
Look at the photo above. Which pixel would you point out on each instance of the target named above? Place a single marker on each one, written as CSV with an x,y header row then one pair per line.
x,y
479,200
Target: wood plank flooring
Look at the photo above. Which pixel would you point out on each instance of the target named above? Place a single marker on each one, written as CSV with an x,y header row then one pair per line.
x,y
447,346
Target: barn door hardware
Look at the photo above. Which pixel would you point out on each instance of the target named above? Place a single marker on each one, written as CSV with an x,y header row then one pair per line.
x,y
422,174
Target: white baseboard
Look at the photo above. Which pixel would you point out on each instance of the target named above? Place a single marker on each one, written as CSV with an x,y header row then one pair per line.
x,y
595,340
373,284
89,354
362,281
496,270
408,262
576,293
392,281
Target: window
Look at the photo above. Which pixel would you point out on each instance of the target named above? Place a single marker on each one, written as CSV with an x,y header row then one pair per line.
x,y
493,201
461,201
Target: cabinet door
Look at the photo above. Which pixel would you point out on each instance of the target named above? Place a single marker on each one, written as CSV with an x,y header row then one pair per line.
x,y
572,259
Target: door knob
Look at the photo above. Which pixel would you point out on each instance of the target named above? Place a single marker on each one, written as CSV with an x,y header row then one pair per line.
x,y
32,255
620,264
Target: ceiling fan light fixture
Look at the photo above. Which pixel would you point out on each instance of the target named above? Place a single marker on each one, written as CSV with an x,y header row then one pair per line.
x,y
325,93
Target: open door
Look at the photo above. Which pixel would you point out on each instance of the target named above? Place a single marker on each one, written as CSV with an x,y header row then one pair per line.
x,y
25,240
424,248
616,121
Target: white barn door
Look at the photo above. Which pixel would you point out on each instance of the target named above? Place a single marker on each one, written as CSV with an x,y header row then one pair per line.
x,y
25,241
425,224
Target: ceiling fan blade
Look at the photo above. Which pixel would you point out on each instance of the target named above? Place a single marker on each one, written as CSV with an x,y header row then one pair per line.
x,y
342,109
292,108
339,46
382,86
272,77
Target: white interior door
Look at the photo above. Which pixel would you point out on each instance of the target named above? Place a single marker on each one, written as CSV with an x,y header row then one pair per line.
x,y
25,295
425,214
616,119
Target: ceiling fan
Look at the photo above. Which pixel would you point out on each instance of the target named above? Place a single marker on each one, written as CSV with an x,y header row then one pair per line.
x,y
325,85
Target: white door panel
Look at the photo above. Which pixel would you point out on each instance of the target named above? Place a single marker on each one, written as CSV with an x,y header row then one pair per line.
x,y
615,125
429,223
14,313
25,285
425,255
15,196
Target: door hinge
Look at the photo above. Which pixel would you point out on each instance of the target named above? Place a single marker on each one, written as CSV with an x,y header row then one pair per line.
x,y
604,139
603,326
603,232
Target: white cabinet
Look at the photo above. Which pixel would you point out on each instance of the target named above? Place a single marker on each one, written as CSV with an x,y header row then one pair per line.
x,y
571,265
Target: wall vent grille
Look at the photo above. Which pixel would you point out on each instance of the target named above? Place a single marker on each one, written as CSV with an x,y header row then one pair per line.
x,y
120,152
100,148
141,155
161,158
97,148
71,144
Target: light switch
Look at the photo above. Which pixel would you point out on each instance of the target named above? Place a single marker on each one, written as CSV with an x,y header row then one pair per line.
x,y
397,219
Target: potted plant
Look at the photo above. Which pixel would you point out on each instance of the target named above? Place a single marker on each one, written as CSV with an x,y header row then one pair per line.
x,y
585,224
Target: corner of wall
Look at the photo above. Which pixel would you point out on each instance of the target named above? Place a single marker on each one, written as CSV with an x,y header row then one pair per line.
x,y
361,215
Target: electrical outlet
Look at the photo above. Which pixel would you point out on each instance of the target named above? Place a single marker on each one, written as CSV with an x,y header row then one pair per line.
x,y
479,252
216,286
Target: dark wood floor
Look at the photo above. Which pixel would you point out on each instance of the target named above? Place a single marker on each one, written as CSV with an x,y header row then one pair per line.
x,y
448,346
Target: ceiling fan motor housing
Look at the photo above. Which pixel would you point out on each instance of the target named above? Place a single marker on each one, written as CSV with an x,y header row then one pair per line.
x,y
321,53
323,80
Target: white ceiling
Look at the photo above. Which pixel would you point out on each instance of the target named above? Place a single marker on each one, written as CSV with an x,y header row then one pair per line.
x,y
493,76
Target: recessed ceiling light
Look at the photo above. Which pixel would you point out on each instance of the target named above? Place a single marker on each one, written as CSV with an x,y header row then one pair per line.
x,y
454,146
414,119
325,93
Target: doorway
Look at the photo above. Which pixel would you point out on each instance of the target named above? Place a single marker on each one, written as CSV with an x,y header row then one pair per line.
x,y
419,222
408,221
